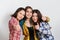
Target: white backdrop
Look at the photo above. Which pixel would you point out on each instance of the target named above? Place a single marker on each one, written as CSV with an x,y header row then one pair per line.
x,y
49,8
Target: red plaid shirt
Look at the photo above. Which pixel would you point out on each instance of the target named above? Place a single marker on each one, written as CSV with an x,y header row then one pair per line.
x,y
14,34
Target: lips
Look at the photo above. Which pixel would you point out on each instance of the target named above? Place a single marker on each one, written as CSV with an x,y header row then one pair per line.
x,y
20,17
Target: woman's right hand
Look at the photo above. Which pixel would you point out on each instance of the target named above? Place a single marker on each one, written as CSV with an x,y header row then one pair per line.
x,y
37,27
17,27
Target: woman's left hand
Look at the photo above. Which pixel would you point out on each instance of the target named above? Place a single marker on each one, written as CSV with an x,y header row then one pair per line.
x,y
37,27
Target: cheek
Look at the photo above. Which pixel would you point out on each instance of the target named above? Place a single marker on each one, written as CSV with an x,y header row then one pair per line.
x,y
19,15
31,14
26,14
33,18
22,16
36,18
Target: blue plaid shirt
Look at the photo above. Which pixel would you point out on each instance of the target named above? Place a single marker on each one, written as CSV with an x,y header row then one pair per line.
x,y
45,31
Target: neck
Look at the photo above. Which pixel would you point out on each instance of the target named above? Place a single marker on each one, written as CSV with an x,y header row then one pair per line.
x,y
27,19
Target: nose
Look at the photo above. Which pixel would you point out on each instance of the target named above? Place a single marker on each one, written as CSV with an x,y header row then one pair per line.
x,y
35,18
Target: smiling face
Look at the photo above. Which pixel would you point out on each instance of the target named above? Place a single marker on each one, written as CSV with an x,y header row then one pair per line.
x,y
34,17
28,13
20,14
43,18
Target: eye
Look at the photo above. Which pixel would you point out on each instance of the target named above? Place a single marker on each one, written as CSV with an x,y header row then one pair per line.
x,y
30,11
27,11
32,15
20,13
23,14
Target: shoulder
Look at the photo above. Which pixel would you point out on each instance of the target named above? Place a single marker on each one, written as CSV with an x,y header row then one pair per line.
x,y
42,23
13,21
21,22
24,25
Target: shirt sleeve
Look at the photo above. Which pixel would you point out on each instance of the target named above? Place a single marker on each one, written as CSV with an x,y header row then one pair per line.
x,y
13,22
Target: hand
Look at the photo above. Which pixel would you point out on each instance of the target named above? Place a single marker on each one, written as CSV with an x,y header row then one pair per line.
x,y
17,27
37,27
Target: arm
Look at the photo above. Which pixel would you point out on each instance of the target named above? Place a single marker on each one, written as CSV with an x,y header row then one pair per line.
x,y
15,25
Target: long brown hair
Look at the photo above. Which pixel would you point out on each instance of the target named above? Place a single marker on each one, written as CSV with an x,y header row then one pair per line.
x,y
39,15
28,7
16,12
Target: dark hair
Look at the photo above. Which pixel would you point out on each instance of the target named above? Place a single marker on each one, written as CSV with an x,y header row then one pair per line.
x,y
39,15
16,12
28,7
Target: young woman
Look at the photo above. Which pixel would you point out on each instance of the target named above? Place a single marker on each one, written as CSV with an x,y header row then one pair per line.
x,y
28,29
14,27
42,27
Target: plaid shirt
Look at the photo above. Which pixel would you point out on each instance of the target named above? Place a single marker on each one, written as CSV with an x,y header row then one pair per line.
x,y
45,33
14,34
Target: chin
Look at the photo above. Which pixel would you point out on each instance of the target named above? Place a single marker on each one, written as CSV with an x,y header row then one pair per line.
x,y
29,17
35,21
19,19
43,20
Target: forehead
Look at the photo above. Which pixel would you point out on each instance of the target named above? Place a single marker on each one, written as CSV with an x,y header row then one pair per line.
x,y
29,9
22,11
34,13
